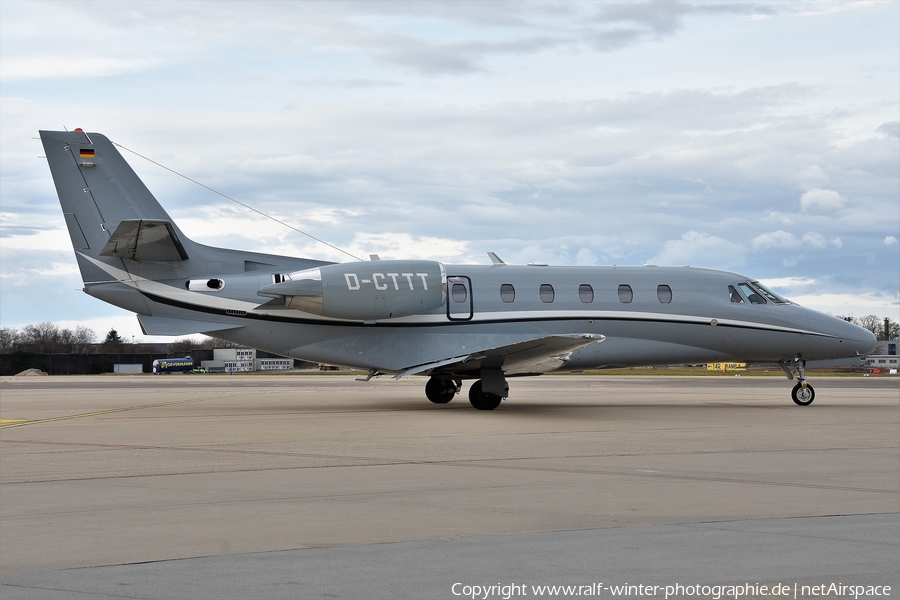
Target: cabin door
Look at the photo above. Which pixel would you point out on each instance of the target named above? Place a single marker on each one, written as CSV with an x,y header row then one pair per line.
x,y
459,298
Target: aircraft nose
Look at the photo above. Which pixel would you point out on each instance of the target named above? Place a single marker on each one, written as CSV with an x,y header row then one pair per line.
x,y
867,345
860,340
841,339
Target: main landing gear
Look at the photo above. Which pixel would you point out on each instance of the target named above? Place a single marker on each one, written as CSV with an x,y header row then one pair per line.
x,y
803,394
483,400
441,391
485,394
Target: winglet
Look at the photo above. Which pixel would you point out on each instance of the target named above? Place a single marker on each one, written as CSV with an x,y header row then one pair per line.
x,y
495,259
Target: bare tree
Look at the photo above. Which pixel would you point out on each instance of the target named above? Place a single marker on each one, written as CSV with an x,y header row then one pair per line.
x,y
46,337
893,330
43,337
65,338
82,339
184,346
214,342
9,339
873,323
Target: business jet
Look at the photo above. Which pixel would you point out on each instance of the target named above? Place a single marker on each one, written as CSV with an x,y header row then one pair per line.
x,y
450,323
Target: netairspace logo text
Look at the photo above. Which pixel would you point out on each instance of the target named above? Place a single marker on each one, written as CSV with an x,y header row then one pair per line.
x,y
715,592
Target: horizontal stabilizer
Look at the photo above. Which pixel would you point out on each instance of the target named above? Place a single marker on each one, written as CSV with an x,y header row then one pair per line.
x,y
145,239
170,326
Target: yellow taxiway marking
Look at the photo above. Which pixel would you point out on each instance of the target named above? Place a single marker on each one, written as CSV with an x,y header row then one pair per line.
x,y
6,423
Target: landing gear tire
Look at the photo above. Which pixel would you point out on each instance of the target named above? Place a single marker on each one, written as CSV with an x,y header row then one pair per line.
x,y
803,396
440,391
481,400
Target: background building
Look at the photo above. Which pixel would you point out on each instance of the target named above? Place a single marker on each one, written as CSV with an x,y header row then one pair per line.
x,y
274,364
231,360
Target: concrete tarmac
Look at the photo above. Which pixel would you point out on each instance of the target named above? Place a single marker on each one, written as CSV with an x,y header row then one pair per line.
x,y
321,486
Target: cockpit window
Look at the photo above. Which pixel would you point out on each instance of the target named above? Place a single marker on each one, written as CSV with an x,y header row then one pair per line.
x,y
772,296
752,295
735,297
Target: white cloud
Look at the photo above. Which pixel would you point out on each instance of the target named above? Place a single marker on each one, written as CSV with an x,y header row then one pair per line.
x,y
403,245
69,67
784,239
817,198
700,249
58,269
37,239
790,283
890,240
851,304
585,256
810,175
775,239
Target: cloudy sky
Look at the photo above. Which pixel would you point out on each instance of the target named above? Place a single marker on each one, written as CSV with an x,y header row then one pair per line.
x,y
760,137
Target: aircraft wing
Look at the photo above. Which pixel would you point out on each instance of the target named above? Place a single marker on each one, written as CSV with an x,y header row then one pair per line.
x,y
145,239
530,357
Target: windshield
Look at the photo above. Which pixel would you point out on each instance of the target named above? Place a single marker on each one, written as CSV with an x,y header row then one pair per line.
x,y
769,294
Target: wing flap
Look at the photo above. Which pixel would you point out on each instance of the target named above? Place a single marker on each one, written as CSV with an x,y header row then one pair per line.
x,y
534,356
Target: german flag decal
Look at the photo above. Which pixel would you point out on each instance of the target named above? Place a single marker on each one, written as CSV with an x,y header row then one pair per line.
x,y
86,153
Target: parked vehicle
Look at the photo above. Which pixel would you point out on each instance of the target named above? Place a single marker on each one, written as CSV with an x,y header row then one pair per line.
x,y
173,365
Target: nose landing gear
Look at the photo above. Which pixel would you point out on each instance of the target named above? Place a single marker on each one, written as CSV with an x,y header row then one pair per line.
x,y
803,393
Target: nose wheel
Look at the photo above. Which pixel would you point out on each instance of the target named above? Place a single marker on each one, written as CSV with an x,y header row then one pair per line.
x,y
803,394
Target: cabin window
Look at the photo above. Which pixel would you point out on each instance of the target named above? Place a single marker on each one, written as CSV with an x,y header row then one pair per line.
x,y
735,297
547,293
459,292
507,293
664,293
751,294
626,295
586,293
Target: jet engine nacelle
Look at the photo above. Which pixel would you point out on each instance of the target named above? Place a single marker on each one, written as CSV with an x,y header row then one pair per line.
x,y
363,291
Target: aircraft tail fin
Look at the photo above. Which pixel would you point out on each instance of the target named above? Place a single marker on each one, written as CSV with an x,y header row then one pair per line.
x,y
109,212
124,239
